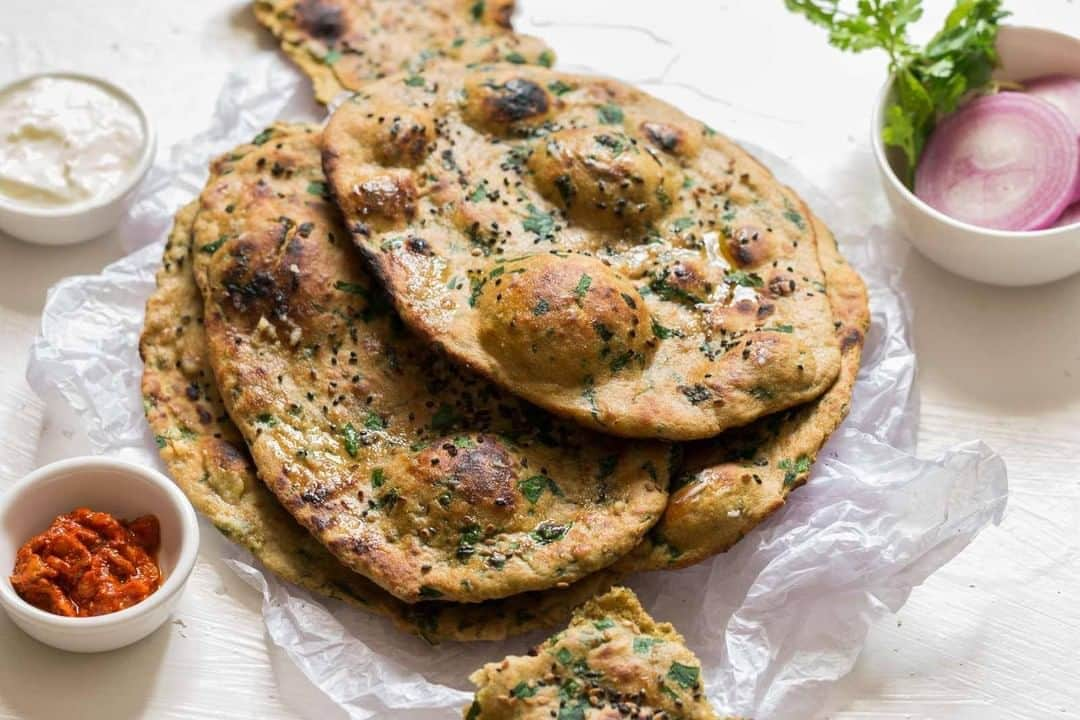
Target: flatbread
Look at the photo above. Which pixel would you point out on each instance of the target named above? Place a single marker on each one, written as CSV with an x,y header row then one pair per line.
x,y
586,247
409,469
729,485
612,661
207,458
343,44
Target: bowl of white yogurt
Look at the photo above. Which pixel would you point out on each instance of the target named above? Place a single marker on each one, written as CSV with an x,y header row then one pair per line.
x,y
73,150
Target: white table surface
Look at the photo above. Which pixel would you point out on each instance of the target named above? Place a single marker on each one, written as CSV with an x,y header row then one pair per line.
x,y
995,634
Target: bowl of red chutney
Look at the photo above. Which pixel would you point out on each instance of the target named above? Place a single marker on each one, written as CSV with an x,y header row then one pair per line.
x,y
94,552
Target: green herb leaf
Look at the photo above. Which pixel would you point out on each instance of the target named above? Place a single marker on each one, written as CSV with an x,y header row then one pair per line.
x,y
476,286
573,710
533,487
793,216
685,675
523,690
743,278
539,222
378,477
643,644
351,288
319,188
414,81
351,439
559,87
548,532
610,114
663,333
471,534
674,293
480,194
583,285
682,224
331,57
547,58
213,247
794,469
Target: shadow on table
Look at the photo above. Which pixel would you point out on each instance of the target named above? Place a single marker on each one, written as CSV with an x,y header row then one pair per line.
x,y
53,684
1014,349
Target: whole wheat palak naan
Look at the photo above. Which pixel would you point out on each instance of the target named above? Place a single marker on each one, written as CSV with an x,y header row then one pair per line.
x,y
730,484
207,458
343,44
409,469
585,246
613,661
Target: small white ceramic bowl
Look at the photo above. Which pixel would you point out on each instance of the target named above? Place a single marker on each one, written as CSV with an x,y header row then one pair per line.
x,y
83,221
113,486
991,256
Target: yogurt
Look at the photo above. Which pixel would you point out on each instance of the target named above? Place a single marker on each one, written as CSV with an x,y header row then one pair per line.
x,y
66,141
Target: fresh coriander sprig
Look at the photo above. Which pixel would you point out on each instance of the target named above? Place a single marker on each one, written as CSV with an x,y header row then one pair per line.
x,y
930,81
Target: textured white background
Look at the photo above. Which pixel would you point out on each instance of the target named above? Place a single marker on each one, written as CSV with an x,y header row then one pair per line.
x,y
996,634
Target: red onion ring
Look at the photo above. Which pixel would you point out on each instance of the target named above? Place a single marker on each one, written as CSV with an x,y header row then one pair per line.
x,y
1006,161
1063,92
1070,217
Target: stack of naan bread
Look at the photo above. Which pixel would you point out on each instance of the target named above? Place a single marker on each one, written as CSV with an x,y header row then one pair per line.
x,y
497,336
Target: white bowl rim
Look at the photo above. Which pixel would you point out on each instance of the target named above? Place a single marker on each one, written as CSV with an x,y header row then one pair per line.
x,y
883,161
146,157
189,544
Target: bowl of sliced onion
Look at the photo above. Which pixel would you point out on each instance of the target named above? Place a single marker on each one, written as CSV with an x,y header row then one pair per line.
x,y
995,196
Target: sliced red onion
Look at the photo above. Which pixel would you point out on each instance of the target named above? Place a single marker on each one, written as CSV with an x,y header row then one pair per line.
x,y
1063,92
1005,161
1070,217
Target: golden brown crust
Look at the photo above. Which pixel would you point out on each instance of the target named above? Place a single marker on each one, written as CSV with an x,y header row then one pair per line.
x,y
406,467
730,484
207,458
612,661
343,44
587,247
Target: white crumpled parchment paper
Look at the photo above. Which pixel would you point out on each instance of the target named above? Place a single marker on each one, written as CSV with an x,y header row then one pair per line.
x,y
775,621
